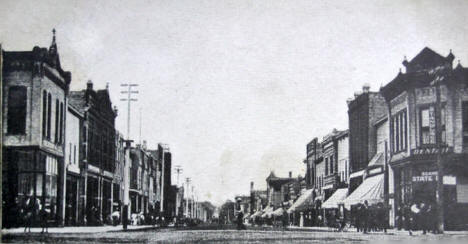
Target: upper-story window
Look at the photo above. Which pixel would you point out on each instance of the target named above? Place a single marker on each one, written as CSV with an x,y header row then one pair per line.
x,y
427,132
17,100
44,114
49,114
465,122
57,111
326,166
399,128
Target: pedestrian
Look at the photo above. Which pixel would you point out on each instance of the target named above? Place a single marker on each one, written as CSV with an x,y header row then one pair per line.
x,y
414,217
357,217
285,218
44,217
365,216
30,209
240,221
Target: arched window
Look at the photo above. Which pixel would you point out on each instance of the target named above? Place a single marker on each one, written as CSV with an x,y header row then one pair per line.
x,y
44,114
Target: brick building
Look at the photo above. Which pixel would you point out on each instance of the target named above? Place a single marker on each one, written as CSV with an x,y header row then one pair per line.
x,y
34,97
412,102
98,152
363,111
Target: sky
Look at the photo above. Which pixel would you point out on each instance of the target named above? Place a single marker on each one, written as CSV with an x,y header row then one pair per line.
x,y
236,88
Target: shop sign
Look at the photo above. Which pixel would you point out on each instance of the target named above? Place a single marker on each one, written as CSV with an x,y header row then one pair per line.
x,y
431,150
426,177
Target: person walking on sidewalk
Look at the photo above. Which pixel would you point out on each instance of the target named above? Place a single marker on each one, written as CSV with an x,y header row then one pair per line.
x,y
365,216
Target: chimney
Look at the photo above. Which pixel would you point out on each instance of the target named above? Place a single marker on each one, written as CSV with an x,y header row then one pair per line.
x,y
357,94
366,88
89,85
290,174
144,144
251,186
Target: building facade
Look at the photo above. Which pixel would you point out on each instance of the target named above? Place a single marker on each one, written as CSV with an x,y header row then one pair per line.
x,y
98,147
431,94
34,97
363,111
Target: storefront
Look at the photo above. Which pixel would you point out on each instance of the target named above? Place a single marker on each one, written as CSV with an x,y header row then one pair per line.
x,y
416,181
71,199
29,173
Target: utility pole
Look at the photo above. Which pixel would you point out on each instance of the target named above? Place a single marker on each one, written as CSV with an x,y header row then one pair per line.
x,y
128,142
187,197
178,170
129,99
440,165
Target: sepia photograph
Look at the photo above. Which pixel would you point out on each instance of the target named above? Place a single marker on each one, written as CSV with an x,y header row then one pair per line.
x,y
234,121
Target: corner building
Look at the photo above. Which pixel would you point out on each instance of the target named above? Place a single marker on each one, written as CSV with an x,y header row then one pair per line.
x,y
34,97
411,99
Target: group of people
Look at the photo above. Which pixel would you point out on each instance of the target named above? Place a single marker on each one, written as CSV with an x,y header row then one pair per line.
x,y
371,218
31,211
419,215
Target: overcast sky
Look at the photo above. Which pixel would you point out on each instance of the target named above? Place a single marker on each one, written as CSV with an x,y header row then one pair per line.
x,y
236,88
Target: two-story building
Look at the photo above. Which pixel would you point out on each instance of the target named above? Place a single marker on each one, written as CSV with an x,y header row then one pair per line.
x,y
430,90
34,97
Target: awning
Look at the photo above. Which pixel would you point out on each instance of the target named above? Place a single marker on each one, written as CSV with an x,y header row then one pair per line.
x,y
377,160
278,212
256,214
337,198
246,216
371,190
356,174
267,212
305,201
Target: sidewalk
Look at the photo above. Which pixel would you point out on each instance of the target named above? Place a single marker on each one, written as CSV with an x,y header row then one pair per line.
x,y
80,229
353,230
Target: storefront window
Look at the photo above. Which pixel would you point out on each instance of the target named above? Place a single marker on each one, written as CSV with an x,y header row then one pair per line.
x,y
39,184
26,184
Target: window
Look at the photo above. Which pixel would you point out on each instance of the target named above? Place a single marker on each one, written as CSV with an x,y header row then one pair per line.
x,y
465,122
61,124
16,123
425,134
326,166
44,114
427,131
57,111
400,132
49,114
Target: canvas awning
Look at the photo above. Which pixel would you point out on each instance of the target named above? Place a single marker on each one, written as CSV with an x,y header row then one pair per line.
x,y
256,214
278,212
337,198
357,174
305,201
267,212
371,190
377,160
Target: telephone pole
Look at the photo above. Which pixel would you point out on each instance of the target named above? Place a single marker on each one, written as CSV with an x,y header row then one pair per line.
x,y
178,170
187,197
129,99
128,142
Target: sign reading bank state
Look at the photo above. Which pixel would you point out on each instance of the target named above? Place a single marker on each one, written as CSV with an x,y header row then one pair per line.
x,y
426,177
